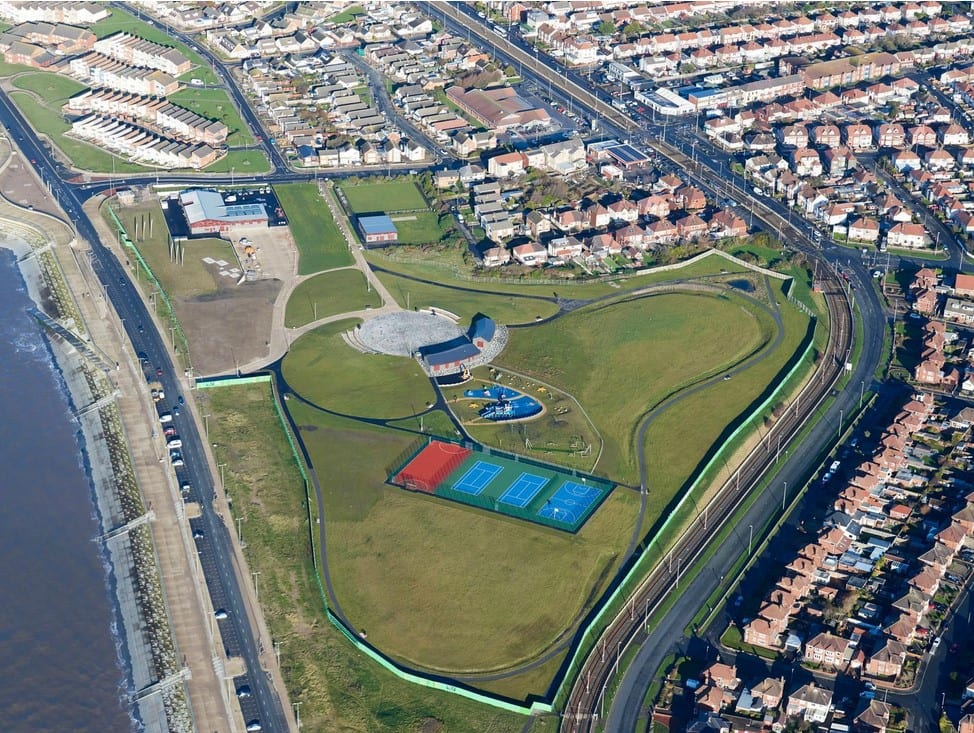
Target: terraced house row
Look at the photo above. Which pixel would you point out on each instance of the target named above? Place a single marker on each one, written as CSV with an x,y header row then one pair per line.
x,y
167,118
102,71
137,51
141,145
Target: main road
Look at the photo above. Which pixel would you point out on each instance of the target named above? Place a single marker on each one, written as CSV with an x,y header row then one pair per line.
x,y
122,293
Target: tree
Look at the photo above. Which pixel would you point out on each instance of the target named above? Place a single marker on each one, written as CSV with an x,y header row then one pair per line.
x,y
606,28
510,71
632,28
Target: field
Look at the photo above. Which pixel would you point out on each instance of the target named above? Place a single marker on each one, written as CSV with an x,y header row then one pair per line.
x,y
390,196
320,244
215,104
402,562
425,227
504,309
339,688
674,454
366,385
241,162
193,277
620,360
53,89
121,20
328,294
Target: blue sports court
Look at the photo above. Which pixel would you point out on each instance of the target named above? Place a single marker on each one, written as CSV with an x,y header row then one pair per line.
x,y
524,489
477,478
570,503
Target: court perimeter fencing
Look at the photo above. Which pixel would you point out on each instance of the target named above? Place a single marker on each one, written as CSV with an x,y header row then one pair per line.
x,y
547,508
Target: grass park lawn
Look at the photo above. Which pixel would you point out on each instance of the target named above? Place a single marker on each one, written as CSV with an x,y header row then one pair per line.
x,y
497,591
348,14
320,244
47,120
620,360
502,308
426,227
324,370
675,453
215,104
53,89
340,689
8,69
328,294
121,20
242,162
384,196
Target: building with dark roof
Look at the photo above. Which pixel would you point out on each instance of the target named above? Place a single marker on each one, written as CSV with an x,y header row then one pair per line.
x,y
378,229
448,356
481,331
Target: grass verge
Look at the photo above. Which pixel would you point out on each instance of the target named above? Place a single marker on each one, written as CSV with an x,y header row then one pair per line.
x,y
328,294
320,244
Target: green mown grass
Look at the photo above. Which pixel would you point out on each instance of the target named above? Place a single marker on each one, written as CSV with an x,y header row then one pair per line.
x,y
53,89
323,369
425,227
447,586
320,244
329,294
340,689
679,439
241,162
385,196
348,14
504,309
620,360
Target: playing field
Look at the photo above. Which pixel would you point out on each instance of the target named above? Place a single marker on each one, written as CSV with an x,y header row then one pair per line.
x,y
393,196
504,484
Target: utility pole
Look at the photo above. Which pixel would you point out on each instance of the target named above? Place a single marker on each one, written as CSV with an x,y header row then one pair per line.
x,y
256,573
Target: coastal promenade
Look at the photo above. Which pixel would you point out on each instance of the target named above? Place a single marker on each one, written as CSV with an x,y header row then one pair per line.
x,y
189,613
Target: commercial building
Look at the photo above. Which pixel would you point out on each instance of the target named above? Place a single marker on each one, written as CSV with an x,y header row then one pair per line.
x,y
498,109
207,212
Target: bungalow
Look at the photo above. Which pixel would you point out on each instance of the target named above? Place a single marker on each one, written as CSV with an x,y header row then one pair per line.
x,y
496,256
564,248
530,254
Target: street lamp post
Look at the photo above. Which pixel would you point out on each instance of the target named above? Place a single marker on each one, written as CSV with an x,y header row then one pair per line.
x,y
256,573
750,538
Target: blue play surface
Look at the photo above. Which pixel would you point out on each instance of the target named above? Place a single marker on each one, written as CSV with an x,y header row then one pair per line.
x,y
491,393
477,477
570,502
524,489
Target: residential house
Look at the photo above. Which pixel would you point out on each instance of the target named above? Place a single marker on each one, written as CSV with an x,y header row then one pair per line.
x,y
810,702
888,660
828,650
530,254
907,235
864,229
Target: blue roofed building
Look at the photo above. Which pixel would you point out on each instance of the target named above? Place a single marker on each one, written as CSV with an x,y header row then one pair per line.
x,y
207,212
377,229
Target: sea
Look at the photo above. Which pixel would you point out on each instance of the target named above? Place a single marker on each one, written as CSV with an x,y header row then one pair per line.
x,y
62,658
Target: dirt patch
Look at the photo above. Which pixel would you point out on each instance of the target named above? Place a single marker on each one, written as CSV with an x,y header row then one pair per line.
x,y
230,328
